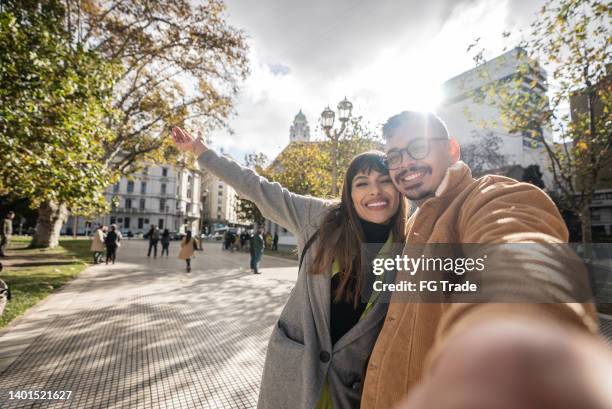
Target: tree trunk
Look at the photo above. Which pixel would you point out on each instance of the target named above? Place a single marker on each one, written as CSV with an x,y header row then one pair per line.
x,y
585,222
51,216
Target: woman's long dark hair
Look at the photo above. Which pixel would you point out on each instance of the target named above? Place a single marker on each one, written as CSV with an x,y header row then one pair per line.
x,y
341,235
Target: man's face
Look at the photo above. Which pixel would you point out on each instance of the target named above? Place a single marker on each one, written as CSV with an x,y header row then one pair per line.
x,y
418,179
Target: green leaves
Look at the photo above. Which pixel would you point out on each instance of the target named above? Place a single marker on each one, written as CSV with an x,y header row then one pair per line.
x,y
53,107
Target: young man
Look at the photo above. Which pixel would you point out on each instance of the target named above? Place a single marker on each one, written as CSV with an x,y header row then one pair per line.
x,y
476,354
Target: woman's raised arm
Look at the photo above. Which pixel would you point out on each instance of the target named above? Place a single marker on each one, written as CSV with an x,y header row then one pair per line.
x,y
293,211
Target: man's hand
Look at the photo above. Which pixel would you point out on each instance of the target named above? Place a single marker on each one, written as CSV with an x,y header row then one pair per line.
x,y
187,143
517,364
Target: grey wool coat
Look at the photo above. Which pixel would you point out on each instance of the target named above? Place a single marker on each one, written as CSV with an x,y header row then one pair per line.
x,y
300,354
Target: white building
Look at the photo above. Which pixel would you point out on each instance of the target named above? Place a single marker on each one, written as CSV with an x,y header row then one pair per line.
x,y
161,195
219,203
299,131
465,117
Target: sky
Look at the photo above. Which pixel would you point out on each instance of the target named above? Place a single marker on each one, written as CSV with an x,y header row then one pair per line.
x,y
385,56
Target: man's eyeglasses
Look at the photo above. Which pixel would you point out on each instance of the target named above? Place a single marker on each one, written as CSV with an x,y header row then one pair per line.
x,y
417,149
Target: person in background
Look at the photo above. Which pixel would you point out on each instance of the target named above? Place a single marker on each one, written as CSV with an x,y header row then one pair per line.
x,y
268,240
188,246
111,241
275,242
165,242
153,235
6,232
257,247
97,244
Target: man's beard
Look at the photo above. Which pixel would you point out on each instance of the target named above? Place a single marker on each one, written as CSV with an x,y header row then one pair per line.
x,y
418,196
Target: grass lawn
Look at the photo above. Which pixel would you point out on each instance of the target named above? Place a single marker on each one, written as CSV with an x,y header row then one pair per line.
x,y
32,274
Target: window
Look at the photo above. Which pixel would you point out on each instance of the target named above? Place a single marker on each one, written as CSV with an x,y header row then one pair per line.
x,y
219,201
146,221
126,223
143,187
113,220
145,170
162,205
116,187
160,223
188,207
128,203
220,186
142,204
130,186
165,172
140,223
219,209
609,196
189,186
163,188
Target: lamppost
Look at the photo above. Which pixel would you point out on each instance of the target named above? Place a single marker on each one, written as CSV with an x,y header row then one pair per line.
x,y
166,218
204,212
327,120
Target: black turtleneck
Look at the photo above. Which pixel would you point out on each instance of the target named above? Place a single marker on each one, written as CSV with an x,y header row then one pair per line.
x,y
343,313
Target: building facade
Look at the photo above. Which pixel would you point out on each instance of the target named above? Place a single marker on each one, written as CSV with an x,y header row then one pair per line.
x,y
468,120
162,195
219,204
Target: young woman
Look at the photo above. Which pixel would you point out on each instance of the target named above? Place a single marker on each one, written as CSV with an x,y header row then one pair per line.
x,y
188,246
319,349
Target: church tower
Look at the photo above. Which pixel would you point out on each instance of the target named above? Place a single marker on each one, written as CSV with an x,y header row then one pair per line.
x,y
299,131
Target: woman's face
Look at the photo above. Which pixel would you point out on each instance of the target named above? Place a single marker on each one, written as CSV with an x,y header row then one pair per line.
x,y
374,196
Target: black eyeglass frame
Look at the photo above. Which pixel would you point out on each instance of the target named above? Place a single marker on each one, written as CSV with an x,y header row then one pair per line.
x,y
406,149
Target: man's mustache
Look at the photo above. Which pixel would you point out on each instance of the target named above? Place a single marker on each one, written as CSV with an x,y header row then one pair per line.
x,y
412,169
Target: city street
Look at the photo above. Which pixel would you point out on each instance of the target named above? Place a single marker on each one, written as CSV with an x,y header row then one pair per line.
x,y
143,333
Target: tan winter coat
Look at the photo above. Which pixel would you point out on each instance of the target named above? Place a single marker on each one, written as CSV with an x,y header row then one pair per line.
x,y
187,250
492,209
97,241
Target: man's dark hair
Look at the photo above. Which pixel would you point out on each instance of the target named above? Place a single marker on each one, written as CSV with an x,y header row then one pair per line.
x,y
431,123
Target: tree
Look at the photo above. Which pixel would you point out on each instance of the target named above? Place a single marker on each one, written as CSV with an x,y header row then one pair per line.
x,y
172,63
570,39
484,153
54,101
180,63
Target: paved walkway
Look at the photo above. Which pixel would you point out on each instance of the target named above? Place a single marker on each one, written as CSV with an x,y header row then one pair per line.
x,y
145,334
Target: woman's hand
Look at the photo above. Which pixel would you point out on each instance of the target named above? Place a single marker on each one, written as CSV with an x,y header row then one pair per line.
x,y
187,143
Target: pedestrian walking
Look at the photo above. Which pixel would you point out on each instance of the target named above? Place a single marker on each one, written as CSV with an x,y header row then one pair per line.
x,y
154,237
275,242
165,242
6,232
257,246
111,241
319,349
97,244
188,246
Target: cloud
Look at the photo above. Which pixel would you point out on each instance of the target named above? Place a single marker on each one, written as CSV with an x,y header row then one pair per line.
x,y
279,69
385,56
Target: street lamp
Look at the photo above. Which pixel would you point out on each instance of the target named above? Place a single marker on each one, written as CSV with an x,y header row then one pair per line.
x,y
204,211
327,121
